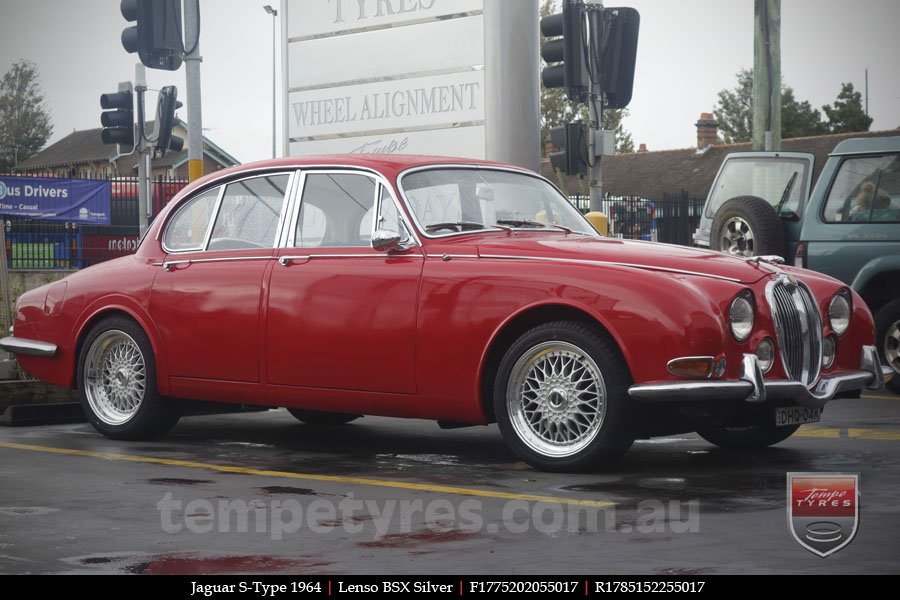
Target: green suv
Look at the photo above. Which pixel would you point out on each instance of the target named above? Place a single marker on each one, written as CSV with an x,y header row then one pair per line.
x,y
848,226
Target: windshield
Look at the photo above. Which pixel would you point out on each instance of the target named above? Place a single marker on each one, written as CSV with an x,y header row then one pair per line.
x,y
779,181
445,201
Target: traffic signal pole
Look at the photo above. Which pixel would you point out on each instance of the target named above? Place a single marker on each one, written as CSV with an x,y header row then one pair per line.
x,y
192,61
142,147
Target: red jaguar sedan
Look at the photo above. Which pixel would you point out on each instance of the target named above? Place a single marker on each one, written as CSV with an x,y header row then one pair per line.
x,y
448,289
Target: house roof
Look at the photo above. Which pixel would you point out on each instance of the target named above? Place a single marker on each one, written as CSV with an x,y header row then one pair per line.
x,y
81,147
654,174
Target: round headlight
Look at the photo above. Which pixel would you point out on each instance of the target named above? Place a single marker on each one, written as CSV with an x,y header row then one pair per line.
x,y
839,313
829,348
765,353
740,316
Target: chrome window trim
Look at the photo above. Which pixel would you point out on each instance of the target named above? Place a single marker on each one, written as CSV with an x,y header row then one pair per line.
x,y
216,209
485,167
379,180
212,219
582,261
168,264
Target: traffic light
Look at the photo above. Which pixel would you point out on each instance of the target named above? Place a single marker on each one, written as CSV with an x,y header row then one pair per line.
x,y
156,34
618,55
165,121
565,52
571,141
118,118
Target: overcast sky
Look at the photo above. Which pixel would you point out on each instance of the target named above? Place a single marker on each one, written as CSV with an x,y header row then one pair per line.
x,y
688,51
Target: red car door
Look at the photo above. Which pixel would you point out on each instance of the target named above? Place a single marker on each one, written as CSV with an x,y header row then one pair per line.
x,y
206,300
342,315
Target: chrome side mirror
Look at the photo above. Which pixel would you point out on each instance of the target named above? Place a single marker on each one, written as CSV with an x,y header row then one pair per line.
x,y
384,240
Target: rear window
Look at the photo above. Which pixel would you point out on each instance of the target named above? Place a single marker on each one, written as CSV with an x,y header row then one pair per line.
x,y
865,190
779,181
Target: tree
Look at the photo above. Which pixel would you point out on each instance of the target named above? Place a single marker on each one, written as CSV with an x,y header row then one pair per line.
x,y
24,118
846,115
557,110
734,112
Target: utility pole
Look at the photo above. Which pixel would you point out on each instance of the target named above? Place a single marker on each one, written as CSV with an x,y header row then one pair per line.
x,y
143,151
192,61
595,100
767,75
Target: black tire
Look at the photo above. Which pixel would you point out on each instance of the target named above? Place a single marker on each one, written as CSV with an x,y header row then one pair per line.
x,y
322,419
154,416
607,435
766,230
748,438
887,328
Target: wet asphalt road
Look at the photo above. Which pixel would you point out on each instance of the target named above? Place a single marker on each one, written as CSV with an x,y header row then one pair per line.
x,y
262,493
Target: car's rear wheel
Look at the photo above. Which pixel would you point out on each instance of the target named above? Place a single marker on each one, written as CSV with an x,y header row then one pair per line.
x,y
322,419
887,332
117,383
746,438
561,398
747,226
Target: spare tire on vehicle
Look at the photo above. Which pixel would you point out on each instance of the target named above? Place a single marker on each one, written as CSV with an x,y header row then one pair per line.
x,y
747,226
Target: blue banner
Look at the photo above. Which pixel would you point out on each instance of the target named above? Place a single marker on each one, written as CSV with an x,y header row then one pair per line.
x,y
73,200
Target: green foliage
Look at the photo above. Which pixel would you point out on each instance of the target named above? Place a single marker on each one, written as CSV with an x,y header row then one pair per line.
x,y
24,118
846,115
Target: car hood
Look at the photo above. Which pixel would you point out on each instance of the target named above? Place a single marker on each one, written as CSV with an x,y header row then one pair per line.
x,y
629,253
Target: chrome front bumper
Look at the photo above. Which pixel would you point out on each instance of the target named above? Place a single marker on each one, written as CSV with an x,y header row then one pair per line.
x,y
15,345
751,387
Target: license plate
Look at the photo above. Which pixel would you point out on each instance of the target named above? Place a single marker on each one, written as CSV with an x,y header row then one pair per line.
x,y
796,415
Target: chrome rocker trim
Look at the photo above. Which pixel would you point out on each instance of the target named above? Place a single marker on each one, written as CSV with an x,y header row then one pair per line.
x,y
15,345
751,387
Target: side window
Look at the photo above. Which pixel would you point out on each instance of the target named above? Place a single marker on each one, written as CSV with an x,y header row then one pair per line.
x,y
865,190
250,213
388,216
187,229
336,211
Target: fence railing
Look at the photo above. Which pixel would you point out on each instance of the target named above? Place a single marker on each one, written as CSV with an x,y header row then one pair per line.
x,y
671,219
32,244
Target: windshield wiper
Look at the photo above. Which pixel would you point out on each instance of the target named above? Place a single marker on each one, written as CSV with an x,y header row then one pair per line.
x,y
464,225
786,194
527,223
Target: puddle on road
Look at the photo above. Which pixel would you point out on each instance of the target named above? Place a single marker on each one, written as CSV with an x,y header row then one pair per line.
x,y
197,564
417,538
721,492
177,481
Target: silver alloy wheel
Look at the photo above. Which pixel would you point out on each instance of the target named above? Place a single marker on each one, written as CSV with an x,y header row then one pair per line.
x,y
556,399
892,346
115,377
737,238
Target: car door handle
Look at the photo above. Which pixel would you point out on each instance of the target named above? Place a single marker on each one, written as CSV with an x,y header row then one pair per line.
x,y
286,261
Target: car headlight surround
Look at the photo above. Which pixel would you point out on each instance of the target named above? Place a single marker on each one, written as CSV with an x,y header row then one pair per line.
x,y
840,311
741,316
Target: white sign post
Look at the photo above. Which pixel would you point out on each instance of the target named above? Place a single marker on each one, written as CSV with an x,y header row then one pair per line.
x,y
442,77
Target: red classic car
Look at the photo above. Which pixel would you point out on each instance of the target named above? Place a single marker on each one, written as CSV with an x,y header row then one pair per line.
x,y
456,290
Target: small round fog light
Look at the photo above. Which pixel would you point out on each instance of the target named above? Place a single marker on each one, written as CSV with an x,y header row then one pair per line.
x,y
829,347
765,353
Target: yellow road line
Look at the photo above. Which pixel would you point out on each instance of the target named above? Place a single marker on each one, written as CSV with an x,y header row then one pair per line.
x,y
385,483
851,432
818,432
879,397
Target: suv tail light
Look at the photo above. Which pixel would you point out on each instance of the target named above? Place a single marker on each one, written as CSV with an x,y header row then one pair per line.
x,y
800,255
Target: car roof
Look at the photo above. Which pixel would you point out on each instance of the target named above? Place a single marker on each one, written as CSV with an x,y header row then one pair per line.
x,y
387,164
868,145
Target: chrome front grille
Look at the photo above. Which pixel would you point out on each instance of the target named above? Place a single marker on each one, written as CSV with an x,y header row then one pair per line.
x,y
798,327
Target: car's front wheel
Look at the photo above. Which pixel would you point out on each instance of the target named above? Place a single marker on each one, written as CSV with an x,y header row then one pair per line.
x,y
887,332
747,438
117,383
321,419
561,398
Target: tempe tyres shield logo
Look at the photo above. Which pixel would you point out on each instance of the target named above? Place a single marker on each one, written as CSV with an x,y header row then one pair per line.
x,y
823,510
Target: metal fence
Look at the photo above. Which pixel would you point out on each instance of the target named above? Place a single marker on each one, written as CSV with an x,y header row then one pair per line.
x,y
32,244
671,219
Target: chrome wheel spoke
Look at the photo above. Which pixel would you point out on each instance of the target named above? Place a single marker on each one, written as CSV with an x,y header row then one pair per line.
x,y
556,399
115,381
